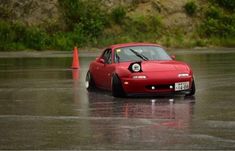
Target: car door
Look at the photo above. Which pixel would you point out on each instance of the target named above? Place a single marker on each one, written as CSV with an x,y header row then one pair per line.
x,y
104,70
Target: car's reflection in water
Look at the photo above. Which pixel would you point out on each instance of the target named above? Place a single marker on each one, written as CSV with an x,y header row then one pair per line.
x,y
170,111
140,121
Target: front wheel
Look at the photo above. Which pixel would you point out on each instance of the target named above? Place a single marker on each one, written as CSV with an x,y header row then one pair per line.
x,y
193,89
117,89
90,84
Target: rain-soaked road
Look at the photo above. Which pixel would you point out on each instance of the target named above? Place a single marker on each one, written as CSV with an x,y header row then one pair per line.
x,y
44,105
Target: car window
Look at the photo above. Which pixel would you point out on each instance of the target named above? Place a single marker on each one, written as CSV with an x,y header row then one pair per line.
x,y
107,56
140,53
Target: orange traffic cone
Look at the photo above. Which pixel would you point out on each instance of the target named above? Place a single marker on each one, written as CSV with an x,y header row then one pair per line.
x,y
75,64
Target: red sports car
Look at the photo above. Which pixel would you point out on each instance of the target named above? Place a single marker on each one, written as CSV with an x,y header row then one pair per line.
x,y
139,68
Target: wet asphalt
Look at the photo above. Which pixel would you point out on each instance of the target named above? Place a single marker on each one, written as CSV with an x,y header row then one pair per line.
x,y
44,105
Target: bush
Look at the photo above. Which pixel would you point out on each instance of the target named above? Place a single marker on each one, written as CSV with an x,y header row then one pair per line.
x,y
154,24
118,14
62,41
227,4
218,24
18,36
88,14
36,38
190,8
11,35
214,12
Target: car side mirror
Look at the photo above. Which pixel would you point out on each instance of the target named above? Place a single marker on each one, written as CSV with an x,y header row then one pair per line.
x,y
173,57
101,60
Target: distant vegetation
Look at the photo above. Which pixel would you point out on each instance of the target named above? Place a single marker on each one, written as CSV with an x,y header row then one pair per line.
x,y
89,24
227,4
219,23
191,8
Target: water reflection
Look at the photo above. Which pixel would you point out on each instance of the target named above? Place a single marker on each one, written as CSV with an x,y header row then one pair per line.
x,y
134,122
75,74
174,112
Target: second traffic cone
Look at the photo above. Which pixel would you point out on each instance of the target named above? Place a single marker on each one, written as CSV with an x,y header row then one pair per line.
x,y
75,64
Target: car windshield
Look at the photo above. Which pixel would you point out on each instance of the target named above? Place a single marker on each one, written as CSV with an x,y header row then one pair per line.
x,y
140,53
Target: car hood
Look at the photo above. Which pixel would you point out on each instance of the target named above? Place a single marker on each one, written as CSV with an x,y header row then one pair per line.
x,y
159,66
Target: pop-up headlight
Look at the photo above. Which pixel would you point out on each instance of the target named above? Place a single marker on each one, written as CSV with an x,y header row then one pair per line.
x,y
135,67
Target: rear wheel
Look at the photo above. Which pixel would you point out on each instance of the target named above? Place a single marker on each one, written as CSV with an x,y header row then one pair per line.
x,y
117,89
90,84
193,89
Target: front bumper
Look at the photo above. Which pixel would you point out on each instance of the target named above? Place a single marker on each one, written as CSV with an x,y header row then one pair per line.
x,y
154,86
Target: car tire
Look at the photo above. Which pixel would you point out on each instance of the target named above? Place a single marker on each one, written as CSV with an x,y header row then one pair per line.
x,y
117,89
193,89
90,84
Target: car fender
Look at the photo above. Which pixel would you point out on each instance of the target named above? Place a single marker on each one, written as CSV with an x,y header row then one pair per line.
x,y
122,71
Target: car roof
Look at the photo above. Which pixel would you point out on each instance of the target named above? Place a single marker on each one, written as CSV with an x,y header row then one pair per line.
x,y
133,44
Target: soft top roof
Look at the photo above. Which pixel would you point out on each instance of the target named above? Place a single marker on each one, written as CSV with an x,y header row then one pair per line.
x,y
133,44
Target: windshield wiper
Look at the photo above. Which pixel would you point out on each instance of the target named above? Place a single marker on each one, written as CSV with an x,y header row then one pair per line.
x,y
143,57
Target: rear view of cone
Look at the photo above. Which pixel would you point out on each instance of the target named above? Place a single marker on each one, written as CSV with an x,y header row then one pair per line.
x,y
75,64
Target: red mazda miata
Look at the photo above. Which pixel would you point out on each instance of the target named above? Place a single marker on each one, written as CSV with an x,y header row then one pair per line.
x,y
139,68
